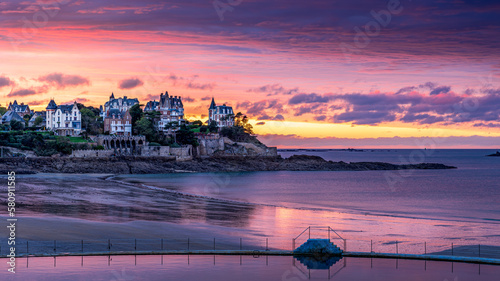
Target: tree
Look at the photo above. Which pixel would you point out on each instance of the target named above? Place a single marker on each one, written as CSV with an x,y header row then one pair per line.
x,y
26,118
16,125
88,117
197,123
38,121
241,131
212,127
146,127
91,122
136,113
237,119
186,136
3,110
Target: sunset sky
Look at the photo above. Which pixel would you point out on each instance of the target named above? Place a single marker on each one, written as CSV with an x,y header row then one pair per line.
x,y
308,73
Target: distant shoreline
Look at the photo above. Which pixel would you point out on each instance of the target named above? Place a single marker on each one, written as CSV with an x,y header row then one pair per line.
x,y
165,165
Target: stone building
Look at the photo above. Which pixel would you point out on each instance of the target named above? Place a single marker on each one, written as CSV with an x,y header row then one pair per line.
x,y
171,109
64,120
116,116
223,115
123,145
118,122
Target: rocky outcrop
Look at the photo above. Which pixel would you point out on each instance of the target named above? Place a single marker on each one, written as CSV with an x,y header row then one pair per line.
x,y
232,148
495,154
162,165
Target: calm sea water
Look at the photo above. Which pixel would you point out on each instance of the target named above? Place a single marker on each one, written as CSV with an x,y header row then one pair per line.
x,y
247,268
436,206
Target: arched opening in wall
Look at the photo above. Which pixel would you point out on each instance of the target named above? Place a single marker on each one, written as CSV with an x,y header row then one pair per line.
x,y
113,144
141,142
129,145
123,145
133,146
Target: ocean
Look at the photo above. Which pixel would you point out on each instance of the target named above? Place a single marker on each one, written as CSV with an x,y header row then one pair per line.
x,y
410,211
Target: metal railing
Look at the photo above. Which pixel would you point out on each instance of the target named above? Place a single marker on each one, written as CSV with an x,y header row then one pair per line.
x,y
260,245
321,230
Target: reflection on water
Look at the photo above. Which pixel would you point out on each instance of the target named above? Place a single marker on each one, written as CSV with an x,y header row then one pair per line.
x,y
243,268
318,261
92,198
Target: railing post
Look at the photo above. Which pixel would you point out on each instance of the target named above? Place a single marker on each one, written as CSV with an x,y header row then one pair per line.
x,y
162,244
135,244
397,247
309,232
452,249
188,243
371,246
82,245
425,248
214,244
241,244
328,233
109,245
267,244
345,245
27,248
55,246
479,250
293,244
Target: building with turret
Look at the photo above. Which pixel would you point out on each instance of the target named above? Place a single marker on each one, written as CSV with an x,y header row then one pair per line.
x,y
121,104
116,115
64,120
21,109
223,115
171,109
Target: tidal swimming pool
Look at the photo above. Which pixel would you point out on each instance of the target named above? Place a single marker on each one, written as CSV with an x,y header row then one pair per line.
x,y
212,268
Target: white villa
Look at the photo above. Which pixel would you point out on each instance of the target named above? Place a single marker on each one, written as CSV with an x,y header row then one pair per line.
x,y
64,120
223,115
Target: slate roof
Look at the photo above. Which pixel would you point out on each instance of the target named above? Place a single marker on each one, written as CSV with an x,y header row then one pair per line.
x,y
125,101
117,113
19,107
11,115
52,105
151,105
